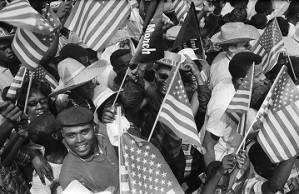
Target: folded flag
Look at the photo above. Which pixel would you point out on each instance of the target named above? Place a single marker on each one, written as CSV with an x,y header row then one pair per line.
x,y
143,168
19,13
96,21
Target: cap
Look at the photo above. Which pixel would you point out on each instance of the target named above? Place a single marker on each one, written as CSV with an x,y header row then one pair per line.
x,y
75,116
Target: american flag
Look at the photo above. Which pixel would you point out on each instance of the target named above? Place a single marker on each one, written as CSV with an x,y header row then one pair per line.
x,y
95,22
143,168
16,83
176,111
181,8
269,46
279,134
19,13
31,47
239,104
39,74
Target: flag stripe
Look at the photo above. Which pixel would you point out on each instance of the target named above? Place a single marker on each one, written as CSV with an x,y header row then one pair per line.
x,y
187,136
179,107
178,118
96,22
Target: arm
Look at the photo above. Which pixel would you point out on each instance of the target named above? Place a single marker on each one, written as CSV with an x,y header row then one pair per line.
x,y
211,185
279,177
11,151
11,114
209,142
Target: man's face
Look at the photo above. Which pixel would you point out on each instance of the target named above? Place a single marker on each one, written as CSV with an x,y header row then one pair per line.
x,y
6,51
80,139
161,77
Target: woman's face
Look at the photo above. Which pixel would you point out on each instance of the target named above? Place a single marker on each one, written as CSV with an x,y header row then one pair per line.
x,y
37,105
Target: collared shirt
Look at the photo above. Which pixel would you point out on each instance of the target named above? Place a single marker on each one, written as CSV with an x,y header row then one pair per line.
x,y
219,69
97,172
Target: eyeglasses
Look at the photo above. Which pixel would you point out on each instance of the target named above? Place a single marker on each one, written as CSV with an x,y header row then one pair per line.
x,y
163,76
42,101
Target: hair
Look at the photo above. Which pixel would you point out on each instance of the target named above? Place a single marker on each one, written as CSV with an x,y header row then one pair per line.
x,y
263,7
115,57
283,25
259,21
92,55
293,9
74,51
36,86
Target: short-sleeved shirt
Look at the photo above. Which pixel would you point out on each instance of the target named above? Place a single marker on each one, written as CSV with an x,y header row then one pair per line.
x,y
219,69
217,123
96,173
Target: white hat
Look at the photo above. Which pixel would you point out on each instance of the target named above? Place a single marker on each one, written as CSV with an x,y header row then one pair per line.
x,y
73,74
101,94
235,32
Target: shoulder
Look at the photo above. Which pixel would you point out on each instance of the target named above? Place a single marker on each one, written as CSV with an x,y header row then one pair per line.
x,y
219,58
68,171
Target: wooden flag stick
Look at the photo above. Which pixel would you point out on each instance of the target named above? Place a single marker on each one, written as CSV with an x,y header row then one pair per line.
x,y
260,110
292,67
119,144
164,99
120,87
28,90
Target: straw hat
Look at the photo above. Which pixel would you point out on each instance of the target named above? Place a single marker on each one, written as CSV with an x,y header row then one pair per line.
x,y
235,32
73,74
101,94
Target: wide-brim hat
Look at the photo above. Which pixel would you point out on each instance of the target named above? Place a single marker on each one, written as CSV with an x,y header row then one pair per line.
x,y
101,94
73,74
235,32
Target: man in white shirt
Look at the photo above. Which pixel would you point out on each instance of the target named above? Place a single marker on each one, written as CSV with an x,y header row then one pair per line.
x,y
234,37
219,132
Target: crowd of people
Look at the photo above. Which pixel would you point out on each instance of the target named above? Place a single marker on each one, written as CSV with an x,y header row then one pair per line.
x,y
51,137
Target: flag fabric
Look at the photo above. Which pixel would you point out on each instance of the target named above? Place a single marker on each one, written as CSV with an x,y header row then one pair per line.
x,y
19,13
149,48
269,46
143,168
181,8
17,83
279,133
240,103
31,47
96,21
176,111
41,74
189,34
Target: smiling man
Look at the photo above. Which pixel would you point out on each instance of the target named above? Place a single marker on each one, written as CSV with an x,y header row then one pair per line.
x,y
91,159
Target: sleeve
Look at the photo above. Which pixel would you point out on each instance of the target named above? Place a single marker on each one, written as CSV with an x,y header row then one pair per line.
x,y
23,157
216,123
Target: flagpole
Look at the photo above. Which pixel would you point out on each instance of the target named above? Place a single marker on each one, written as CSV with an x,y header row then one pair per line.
x,y
164,99
250,96
28,90
291,64
119,149
260,110
120,87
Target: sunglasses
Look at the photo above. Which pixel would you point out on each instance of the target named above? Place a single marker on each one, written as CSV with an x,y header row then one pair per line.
x,y
42,101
